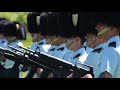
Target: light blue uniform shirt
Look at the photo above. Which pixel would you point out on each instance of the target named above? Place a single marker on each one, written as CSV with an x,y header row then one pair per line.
x,y
93,58
68,55
51,50
79,56
3,44
88,49
110,59
10,63
60,51
40,46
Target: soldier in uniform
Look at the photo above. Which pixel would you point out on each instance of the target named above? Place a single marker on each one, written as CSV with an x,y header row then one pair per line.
x,y
37,27
108,26
62,41
72,21
108,22
14,32
52,31
80,53
99,44
3,44
85,28
63,28
3,41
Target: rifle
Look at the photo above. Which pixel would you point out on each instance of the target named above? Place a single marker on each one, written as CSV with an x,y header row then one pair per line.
x,y
28,60
20,57
62,65
48,62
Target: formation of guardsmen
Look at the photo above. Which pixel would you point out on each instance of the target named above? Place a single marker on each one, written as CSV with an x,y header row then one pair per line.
x,y
90,38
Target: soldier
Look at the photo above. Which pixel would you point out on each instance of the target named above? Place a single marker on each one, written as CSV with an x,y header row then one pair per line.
x,y
73,19
80,53
14,32
93,58
85,27
63,28
53,36
3,43
36,26
52,30
108,24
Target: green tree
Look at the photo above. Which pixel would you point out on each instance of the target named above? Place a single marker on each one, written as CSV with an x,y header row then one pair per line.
x,y
15,16
20,17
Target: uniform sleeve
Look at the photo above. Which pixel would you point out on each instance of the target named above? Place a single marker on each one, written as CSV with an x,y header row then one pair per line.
x,y
109,61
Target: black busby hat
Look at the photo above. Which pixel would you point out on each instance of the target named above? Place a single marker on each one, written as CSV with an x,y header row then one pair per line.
x,y
41,23
2,21
1,18
72,24
65,25
21,30
32,22
37,22
108,18
9,29
14,29
86,24
52,23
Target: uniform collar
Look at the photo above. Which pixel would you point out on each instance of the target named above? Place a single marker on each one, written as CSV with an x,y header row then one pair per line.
x,y
61,45
43,41
100,46
81,51
113,39
88,49
85,44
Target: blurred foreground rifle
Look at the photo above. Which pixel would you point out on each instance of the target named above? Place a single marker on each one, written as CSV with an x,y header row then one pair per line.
x,y
45,61
54,63
21,57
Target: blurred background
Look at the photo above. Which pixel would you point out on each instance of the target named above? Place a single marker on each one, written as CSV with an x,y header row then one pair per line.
x,y
21,17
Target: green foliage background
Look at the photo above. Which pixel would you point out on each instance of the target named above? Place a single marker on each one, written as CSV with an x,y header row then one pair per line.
x,y
21,17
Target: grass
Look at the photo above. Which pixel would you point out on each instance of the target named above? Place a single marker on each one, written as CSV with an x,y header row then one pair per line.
x,y
28,42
